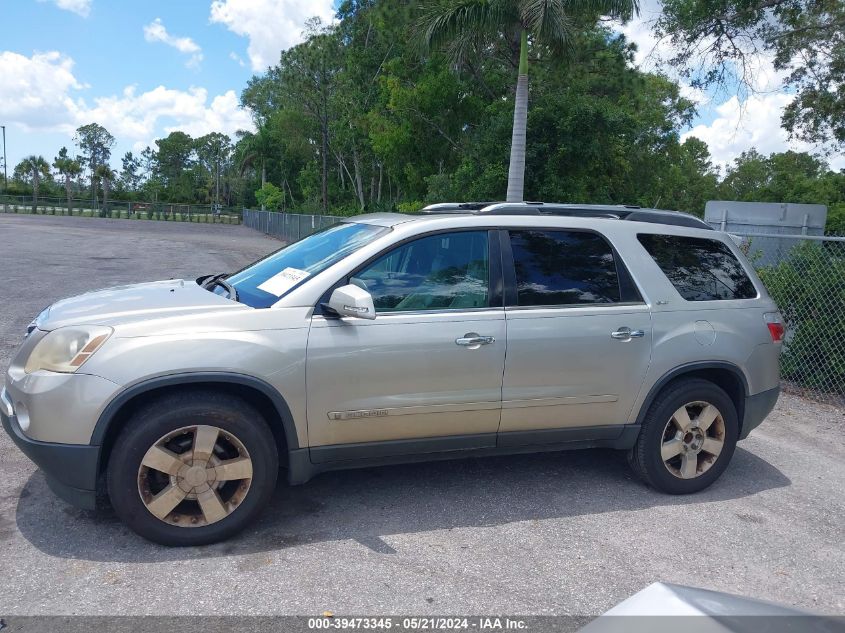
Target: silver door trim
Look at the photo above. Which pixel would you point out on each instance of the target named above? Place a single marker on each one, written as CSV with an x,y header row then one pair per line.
x,y
362,414
556,401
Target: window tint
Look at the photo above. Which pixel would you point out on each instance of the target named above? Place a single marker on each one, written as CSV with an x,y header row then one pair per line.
x,y
444,271
563,268
700,269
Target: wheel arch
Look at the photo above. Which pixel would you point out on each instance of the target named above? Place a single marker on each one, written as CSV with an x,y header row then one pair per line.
x,y
724,374
263,396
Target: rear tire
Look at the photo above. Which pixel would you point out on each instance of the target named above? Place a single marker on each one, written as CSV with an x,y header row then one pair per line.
x,y
687,437
192,469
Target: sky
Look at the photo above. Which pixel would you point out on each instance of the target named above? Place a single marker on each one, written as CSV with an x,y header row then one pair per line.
x,y
144,69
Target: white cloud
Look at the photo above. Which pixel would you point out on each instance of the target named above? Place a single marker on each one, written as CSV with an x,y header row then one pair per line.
x,y
156,32
271,25
40,94
755,122
146,116
37,92
80,7
237,59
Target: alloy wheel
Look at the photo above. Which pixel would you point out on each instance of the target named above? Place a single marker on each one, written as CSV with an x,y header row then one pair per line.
x,y
195,476
693,439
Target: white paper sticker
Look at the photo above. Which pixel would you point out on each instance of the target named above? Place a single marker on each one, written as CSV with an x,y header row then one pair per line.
x,y
281,282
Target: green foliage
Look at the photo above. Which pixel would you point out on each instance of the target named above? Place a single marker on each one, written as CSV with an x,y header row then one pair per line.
x,y
130,174
410,207
34,170
361,118
270,197
809,287
836,219
787,177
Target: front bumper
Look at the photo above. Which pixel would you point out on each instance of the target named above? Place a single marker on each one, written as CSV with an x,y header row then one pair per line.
x,y
70,469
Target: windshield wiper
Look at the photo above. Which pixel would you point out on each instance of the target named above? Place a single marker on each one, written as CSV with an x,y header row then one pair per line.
x,y
209,281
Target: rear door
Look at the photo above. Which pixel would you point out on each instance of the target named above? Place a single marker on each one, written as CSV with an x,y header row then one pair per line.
x,y
579,336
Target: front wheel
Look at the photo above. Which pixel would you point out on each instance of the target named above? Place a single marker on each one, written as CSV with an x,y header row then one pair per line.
x,y
192,469
687,438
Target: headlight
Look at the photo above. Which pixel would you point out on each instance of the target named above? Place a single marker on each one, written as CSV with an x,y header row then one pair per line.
x,y
66,349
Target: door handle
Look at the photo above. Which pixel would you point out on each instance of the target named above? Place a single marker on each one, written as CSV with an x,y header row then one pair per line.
x,y
474,340
626,333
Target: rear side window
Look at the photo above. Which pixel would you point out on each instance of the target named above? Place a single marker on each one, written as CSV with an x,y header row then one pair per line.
x,y
700,269
563,268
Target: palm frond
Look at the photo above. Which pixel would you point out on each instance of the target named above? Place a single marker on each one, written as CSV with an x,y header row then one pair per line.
x,y
550,22
458,24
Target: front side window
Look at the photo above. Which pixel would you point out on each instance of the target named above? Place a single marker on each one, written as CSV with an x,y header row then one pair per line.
x,y
261,284
556,267
701,269
438,272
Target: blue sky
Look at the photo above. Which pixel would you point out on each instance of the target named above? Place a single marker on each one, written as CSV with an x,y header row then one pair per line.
x,y
142,69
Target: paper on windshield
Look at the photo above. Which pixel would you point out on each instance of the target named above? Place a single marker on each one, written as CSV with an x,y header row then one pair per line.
x,y
281,282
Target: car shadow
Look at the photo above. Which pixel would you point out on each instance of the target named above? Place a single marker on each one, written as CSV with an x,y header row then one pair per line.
x,y
365,505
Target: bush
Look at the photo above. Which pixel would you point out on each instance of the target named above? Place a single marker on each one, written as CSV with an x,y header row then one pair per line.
x,y
270,197
836,219
809,288
409,207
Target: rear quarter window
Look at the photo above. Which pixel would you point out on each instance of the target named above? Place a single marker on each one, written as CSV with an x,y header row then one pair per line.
x,y
701,269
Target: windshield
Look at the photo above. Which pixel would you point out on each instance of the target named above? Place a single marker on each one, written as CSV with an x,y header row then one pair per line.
x,y
261,284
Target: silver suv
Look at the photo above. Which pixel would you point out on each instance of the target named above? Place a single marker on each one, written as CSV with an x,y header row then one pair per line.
x,y
464,331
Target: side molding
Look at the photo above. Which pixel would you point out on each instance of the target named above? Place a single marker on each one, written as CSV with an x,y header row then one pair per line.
x,y
170,380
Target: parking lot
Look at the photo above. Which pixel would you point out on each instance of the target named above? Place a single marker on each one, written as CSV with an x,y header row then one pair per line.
x,y
556,533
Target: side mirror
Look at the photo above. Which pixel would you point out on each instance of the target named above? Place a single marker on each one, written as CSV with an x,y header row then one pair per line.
x,y
352,301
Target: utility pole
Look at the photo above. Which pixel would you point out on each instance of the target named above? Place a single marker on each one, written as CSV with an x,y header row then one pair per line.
x,y
217,194
5,167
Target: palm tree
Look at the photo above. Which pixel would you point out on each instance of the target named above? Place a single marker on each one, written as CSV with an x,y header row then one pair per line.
x,y
107,175
464,24
70,170
36,168
253,150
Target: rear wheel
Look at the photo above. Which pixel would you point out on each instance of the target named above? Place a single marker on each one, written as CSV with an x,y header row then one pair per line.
x,y
687,438
192,469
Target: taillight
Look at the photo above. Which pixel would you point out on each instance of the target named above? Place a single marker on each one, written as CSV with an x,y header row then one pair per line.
x,y
775,324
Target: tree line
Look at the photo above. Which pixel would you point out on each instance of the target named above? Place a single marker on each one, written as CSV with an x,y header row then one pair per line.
x,y
400,103
180,169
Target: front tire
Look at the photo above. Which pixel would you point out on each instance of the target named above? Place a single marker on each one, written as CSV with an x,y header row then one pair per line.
x,y
192,469
687,437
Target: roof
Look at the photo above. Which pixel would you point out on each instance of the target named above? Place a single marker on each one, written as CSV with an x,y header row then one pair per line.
x,y
601,211
617,212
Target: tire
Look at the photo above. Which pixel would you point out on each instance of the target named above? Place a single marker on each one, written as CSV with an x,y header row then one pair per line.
x,y
666,453
210,456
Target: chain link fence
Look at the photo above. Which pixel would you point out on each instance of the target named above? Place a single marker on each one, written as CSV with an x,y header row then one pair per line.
x,y
806,277
804,274
287,226
120,209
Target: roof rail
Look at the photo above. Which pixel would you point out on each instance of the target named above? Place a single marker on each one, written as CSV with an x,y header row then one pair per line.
x,y
455,207
628,212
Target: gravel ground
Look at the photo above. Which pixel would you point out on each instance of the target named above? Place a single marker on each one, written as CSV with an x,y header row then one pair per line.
x,y
567,533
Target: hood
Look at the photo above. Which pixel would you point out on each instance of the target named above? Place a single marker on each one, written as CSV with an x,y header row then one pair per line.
x,y
139,302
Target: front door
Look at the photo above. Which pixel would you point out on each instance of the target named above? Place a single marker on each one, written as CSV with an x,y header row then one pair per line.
x,y
579,336
426,374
